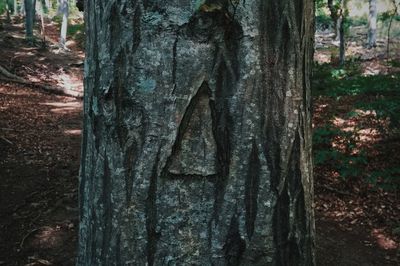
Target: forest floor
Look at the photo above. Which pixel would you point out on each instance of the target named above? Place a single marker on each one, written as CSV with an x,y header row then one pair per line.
x,y
40,145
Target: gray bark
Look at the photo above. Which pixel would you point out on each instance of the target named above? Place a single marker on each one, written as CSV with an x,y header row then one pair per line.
x,y
372,18
341,23
197,136
15,10
64,11
8,11
342,44
29,6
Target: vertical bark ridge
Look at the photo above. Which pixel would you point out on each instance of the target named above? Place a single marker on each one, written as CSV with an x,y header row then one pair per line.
x,y
151,215
150,64
252,187
234,244
108,211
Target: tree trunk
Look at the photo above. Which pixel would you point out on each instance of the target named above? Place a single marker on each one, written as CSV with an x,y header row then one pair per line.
x,y
8,11
64,11
29,18
333,10
22,8
341,22
197,135
373,13
45,6
15,10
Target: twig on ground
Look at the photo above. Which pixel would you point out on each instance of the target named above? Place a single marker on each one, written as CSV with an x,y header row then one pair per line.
x,y
21,245
9,75
336,190
6,140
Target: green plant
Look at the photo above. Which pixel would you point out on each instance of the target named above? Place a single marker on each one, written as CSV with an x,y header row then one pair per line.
x,y
387,179
357,21
323,22
345,161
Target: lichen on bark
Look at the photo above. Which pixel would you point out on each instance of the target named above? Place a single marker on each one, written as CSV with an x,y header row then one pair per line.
x,y
196,145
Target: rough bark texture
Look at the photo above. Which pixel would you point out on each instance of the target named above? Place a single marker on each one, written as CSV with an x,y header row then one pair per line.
x,y
196,145
29,6
373,14
64,11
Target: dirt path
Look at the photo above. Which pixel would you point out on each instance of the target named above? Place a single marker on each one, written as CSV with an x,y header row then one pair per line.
x,y
39,146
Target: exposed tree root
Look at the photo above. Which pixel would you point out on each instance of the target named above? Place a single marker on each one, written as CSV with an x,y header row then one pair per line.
x,y
9,77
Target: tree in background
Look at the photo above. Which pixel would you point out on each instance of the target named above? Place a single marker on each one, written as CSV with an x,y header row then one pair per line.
x,y
8,11
342,16
372,19
63,9
334,9
29,6
15,10
392,13
197,134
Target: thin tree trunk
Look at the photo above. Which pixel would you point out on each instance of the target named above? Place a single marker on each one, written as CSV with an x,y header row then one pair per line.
x,y
394,13
45,5
342,44
197,135
335,17
341,22
64,10
34,11
43,29
372,18
8,18
22,8
15,11
29,13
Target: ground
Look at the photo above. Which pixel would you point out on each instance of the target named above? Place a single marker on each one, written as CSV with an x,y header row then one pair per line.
x,y
40,147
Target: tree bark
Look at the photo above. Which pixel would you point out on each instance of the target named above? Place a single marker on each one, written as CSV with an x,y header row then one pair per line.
x,y
333,10
8,11
341,23
15,10
64,11
29,6
372,18
197,135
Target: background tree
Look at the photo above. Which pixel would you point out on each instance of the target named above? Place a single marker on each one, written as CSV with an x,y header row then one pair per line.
x,y
8,11
63,9
15,10
392,13
196,146
343,13
334,11
372,19
29,6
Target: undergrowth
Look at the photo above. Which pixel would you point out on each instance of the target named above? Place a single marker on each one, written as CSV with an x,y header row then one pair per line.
x,y
378,95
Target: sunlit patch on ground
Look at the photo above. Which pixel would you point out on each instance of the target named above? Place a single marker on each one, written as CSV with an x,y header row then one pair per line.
x,y
63,107
73,132
383,240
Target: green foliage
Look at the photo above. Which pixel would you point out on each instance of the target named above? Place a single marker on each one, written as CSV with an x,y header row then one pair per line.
x,y
384,107
77,33
357,21
3,6
76,29
323,21
383,90
394,63
346,161
388,179
348,81
379,94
